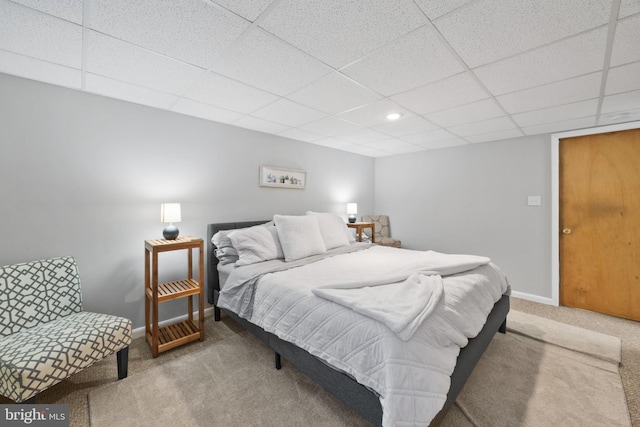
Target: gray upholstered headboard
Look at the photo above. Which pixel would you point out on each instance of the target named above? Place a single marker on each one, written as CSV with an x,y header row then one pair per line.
x,y
213,282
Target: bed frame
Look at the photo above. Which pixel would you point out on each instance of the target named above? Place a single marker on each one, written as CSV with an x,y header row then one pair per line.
x,y
358,397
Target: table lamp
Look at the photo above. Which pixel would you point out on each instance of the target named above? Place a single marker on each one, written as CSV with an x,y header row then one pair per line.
x,y
352,210
170,212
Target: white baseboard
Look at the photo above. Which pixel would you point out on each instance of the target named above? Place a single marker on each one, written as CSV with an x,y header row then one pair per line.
x,y
139,332
533,298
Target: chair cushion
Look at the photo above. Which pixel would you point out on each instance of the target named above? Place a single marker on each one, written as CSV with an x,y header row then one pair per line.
x,y
37,292
389,241
35,359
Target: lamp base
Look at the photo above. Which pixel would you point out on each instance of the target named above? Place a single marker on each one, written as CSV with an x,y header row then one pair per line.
x,y
170,232
352,219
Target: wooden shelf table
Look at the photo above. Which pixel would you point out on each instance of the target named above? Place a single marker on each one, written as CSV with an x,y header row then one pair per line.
x,y
173,335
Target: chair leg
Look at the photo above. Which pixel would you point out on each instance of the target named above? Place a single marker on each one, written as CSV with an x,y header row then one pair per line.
x,y
216,314
29,401
123,362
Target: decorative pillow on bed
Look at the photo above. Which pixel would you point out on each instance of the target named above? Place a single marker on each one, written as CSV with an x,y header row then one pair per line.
x,y
225,252
333,229
256,244
299,235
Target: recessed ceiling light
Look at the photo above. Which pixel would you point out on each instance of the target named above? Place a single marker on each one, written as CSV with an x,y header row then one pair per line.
x,y
393,116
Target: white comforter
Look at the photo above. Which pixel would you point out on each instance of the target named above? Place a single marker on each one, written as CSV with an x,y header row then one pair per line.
x,y
412,377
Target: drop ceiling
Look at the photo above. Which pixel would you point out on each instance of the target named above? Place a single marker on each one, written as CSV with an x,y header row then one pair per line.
x,y
328,72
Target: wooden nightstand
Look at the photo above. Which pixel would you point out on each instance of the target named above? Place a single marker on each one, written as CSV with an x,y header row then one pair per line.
x,y
167,337
360,225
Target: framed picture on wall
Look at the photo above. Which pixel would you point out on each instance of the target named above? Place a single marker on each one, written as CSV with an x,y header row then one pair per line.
x,y
273,176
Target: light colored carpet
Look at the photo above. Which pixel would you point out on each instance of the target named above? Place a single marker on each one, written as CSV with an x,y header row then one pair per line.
x,y
528,382
519,381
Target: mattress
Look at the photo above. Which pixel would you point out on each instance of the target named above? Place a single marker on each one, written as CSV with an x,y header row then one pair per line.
x,y
412,377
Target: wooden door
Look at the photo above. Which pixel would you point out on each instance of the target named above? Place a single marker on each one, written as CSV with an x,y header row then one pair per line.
x,y
600,223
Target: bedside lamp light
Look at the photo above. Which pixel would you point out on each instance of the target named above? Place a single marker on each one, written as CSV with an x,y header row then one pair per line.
x,y
170,212
352,210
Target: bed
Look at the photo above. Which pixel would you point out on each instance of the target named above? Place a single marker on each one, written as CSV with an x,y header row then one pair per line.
x,y
332,375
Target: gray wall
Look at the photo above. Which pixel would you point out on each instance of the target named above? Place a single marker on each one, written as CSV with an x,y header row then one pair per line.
x,y
84,175
473,199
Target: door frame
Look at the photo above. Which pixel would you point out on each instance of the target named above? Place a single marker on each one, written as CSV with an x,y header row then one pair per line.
x,y
555,195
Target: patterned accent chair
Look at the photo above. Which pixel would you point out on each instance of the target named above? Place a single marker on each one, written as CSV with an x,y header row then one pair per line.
x,y
45,336
382,230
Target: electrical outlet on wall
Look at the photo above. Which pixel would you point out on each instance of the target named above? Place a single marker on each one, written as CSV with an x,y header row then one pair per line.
x,y
534,201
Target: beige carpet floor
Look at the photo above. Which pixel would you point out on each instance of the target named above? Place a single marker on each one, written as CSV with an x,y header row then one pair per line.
x,y
627,330
521,380
75,390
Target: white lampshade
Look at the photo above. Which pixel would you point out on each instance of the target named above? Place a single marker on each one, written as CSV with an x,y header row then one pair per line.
x,y
170,212
352,208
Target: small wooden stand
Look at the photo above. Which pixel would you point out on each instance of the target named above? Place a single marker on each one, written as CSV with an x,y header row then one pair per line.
x,y
167,337
360,225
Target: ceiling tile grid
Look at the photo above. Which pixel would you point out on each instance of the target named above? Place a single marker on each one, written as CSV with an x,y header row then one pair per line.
x,y
31,33
328,72
193,31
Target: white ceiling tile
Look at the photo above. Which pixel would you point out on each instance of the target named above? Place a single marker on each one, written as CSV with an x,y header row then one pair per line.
x,y
412,61
123,61
557,114
331,126
193,31
70,10
495,136
128,92
394,146
38,35
262,61
35,69
356,28
436,8
332,143
628,7
434,145
451,92
301,135
365,151
485,126
429,137
557,93
626,42
364,136
511,30
204,111
568,58
580,123
469,113
288,113
406,126
255,123
223,92
374,114
621,102
623,78
617,117
248,9
333,94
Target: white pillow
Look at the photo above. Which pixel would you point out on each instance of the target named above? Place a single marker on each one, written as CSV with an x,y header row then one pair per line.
x,y
299,235
256,244
225,252
333,229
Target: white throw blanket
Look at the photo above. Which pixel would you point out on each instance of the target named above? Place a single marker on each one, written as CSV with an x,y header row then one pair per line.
x,y
403,306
